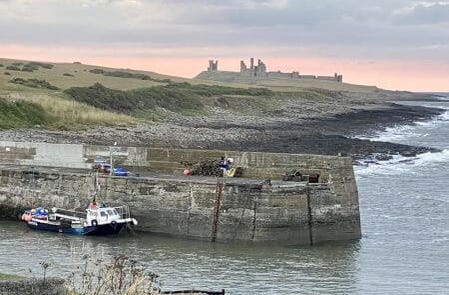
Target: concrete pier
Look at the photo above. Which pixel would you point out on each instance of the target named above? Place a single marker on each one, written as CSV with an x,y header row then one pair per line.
x,y
165,202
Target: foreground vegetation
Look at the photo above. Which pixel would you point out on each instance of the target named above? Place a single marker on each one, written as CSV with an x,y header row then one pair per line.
x,y
8,276
17,114
120,276
176,97
55,113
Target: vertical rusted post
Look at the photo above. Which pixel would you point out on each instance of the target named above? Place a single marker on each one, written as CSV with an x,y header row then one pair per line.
x,y
217,206
309,215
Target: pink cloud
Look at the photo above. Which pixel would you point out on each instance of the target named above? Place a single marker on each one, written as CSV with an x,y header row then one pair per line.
x,y
389,74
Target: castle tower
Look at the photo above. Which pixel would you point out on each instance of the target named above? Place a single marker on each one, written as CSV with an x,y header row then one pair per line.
x,y
251,63
213,66
243,67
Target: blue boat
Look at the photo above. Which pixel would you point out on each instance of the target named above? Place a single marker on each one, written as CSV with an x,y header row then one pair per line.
x,y
96,220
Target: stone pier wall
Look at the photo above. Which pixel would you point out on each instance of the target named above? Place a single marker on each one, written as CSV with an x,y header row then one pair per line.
x,y
32,286
282,213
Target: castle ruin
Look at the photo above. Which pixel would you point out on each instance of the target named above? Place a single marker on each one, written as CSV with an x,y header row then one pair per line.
x,y
257,71
213,66
260,71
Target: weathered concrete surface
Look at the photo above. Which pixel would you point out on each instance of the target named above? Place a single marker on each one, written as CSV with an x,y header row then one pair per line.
x,y
337,171
32,286
282,213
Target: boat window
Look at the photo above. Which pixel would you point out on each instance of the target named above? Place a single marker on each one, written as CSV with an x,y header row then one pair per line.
x,y
103,214
111,213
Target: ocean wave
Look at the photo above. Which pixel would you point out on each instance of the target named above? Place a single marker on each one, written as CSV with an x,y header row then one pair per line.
x,y
392,134
400,164
401,132
443,98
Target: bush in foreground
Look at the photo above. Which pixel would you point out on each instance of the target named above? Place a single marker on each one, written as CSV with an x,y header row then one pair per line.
x,y
14,114
120,276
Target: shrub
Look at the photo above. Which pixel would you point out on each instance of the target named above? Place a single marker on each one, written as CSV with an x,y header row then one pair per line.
x,y
68,75
17,64
13,68
128,75
39,64
96,71
30,67
15,114
120,276
34,83
1,66
211,90
135,101
27,69
176,97
7,73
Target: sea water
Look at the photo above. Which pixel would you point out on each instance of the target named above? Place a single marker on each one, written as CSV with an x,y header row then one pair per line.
x,y
404,248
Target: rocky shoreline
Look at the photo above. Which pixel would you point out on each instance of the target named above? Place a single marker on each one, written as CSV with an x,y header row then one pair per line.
x,y
329,134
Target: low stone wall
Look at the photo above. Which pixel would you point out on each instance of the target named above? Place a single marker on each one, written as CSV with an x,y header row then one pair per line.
x,y
249,210
32,286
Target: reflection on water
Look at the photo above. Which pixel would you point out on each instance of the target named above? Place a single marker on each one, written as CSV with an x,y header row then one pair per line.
x,y
181,264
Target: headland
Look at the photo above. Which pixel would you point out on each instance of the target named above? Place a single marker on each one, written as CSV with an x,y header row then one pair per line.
x,y
158,122
77,103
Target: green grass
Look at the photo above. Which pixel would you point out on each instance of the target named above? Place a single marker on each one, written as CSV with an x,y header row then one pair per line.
x,y
8,276
76,96
14,114
181,98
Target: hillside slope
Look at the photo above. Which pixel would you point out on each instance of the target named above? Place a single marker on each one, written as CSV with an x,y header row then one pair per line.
x,y
66,95
103,105
281,84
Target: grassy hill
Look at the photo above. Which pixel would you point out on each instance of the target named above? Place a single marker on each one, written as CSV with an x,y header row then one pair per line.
x,y
282,84
72,96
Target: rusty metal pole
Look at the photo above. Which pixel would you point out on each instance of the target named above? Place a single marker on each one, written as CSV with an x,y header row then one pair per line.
x,y
217,206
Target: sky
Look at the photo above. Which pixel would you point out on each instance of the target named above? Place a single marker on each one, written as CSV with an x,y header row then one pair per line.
x,y
393,44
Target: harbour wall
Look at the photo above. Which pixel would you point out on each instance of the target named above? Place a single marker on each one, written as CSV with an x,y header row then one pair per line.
x,y
251,208
23,286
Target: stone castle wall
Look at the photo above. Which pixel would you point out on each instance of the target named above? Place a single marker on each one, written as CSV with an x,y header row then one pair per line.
x,y
259,71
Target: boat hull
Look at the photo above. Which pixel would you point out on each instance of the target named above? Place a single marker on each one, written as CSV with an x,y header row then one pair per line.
x,y
98,230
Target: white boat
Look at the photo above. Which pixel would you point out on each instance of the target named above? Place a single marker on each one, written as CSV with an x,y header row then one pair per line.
x,y
96,220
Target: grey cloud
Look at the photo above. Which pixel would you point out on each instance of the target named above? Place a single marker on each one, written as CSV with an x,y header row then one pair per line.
x,y
346,28
427,14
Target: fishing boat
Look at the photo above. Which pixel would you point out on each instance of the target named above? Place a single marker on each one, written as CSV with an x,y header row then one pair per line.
x,y
96,220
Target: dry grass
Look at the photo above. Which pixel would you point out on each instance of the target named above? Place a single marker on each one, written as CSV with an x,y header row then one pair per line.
x,y
120,276
82,77
66,113
8,276
69,114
